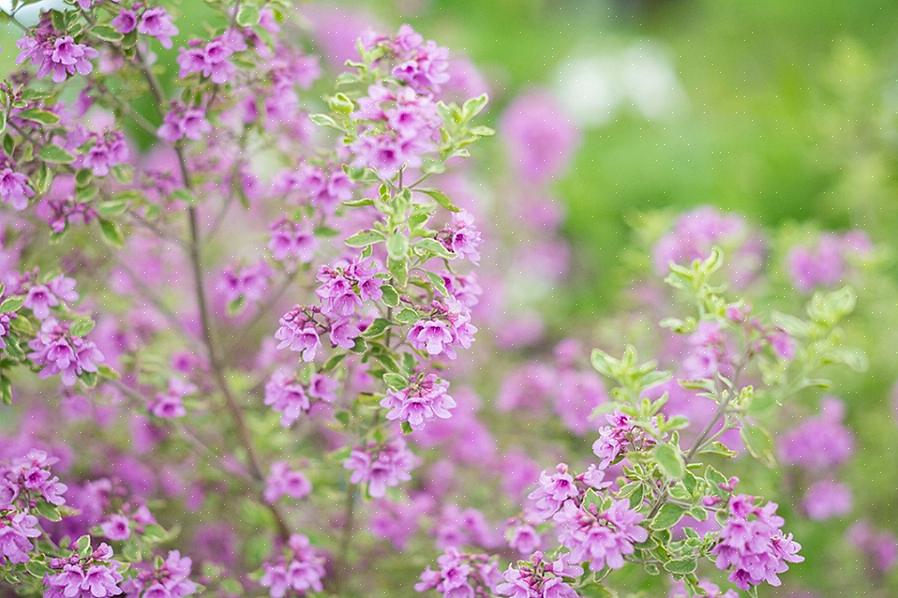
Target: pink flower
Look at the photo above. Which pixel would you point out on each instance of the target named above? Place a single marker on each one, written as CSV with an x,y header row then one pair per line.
x,y
15,189
282,481
157,23
380,466
752,545
425,398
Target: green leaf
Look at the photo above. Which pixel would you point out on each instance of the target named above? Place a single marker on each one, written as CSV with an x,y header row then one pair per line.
x,y
5,390
323,120
40,116
248,16
55,155
376,328
397,246
111,233
681,566
106,33
406,428
13,303
434,247
82,327
154,533
441,198
407,316
185,195
395,381
110,208
759,443
48,511
83,546
475,106
37,569
668,516
364,238
670,460
390,296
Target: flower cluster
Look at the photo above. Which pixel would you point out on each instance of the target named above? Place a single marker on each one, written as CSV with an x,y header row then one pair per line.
x,y
540,578
211,59
447,327
697,231
825,264
752,545
425,398
283,481
90,573
288,396
57,351
461,574
25,483
600,538
380,466
54,53
300,570
181,122
169,578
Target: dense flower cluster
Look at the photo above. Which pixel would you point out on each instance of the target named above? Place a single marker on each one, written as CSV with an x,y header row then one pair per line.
x,y
54,53
300,570
423,399
461,574
95,575
752,545
696,232
380,466
170,578
541,578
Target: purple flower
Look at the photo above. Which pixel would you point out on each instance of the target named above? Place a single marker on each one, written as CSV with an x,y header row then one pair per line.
x,y
282,481
301,570
461,575
15,531
602,539
380,465
818,443
425,398
880,547
554,490
125,21
462,237
108,150
540,138
523,538
292,240
15,189
57,352
116,527
39,300
696,232
752,545
297,332
57,56
286,395
826,499
157,23
183,123
430,336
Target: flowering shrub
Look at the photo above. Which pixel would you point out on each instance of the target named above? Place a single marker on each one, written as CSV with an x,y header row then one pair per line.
x,y
245,302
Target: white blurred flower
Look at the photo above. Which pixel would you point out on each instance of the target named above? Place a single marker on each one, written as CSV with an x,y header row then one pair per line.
x,y
594,87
